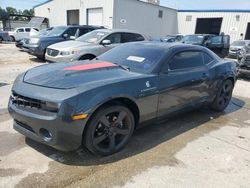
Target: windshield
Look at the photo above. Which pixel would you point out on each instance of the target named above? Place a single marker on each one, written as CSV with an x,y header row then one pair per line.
x,y
57,31
193,39
238,43
136,57
93,37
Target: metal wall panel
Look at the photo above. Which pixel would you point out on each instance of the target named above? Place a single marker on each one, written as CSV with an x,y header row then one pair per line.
x,y
230,25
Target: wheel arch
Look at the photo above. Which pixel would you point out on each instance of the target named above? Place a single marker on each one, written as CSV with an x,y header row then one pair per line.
x,y
125,101
87,55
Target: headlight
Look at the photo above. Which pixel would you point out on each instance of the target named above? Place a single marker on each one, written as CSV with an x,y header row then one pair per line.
x,y
34,40
65,53
50,106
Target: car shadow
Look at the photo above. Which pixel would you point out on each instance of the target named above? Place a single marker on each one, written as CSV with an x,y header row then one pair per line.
x,y
144,138
37,60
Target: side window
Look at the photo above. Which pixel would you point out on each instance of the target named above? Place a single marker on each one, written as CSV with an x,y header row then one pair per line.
x,y
188,59
27,29
71,31
207,58
138,37
216,40
131,37
20,30
114,38
179,38
83,31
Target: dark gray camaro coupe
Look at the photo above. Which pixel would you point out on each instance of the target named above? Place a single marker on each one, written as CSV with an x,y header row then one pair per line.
x,y
99,103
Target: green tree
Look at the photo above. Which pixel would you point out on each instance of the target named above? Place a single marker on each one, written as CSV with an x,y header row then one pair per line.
x,y
27,12
11,10
3,16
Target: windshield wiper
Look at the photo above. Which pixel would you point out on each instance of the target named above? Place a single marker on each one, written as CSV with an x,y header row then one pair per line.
x,y
123,67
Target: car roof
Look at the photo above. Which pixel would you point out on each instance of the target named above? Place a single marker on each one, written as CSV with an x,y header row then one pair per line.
x,y
83,26
118,30
202,34
167,46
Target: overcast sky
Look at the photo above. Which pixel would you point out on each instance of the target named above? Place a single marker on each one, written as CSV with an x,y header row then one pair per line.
x,y
179,4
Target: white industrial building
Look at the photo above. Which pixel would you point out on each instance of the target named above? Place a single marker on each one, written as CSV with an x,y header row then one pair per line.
x,y
144,17
236,23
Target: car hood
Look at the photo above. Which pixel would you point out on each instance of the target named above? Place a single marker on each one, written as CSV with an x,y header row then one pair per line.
x,y
194,43
86,74
236,47
69,45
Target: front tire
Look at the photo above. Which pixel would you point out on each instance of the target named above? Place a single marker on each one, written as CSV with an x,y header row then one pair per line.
x,y
223,96
109,130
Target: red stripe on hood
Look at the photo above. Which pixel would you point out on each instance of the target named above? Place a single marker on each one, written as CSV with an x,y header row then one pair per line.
x,y
90,66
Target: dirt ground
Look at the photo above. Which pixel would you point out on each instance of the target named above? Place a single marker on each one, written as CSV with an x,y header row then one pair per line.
x,y
195,149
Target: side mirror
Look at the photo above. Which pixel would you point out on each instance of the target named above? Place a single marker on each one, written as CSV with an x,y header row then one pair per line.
x,y
65,35
208,42
72,37
106,42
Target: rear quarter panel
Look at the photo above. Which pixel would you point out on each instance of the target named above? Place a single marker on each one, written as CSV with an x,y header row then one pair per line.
x,y
220,71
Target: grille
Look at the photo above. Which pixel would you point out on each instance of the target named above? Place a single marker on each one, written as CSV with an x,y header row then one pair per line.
x,y
20,100
52,52
235,49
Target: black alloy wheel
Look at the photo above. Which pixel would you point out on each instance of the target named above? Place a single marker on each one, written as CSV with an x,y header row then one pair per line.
x,y
224,96
109,130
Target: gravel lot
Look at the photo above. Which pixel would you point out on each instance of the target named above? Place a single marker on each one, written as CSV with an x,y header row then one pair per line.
x,y
196,149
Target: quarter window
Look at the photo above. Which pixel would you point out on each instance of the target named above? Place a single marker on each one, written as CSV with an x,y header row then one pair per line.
x,y
185,60
207,58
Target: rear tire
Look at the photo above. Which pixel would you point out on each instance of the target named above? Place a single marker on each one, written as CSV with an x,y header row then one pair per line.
x,y
1,39
12,39
109,130
223,96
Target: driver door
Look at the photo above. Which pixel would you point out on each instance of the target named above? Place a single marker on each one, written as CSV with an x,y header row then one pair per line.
x,y
183,82
219,45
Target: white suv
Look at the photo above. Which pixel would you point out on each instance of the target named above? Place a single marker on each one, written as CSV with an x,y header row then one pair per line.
x,y
21,32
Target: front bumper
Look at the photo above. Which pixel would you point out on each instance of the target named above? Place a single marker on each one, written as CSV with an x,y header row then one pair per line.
x,y
58,58
233,54
36,51
55,129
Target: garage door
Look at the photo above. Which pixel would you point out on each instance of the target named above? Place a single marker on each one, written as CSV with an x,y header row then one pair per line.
x,y
208,26
95,16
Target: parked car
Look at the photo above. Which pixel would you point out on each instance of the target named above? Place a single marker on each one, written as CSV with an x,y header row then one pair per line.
x,y
100,102
4,36
37,45
21,32
237,46
244,61
172,38
219,44
90,45
25,41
